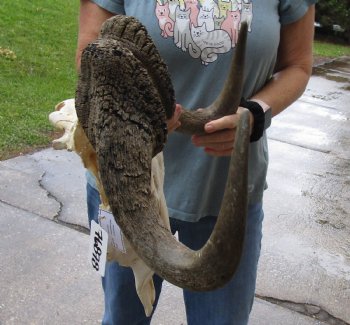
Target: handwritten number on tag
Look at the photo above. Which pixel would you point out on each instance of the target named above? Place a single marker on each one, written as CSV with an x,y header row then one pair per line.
x,y
98,237
98,248
96,255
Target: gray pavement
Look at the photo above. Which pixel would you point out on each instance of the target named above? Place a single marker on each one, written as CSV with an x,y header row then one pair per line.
x,y
304,270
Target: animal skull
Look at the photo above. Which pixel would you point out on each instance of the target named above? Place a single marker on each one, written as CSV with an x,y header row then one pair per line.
x,y
64,118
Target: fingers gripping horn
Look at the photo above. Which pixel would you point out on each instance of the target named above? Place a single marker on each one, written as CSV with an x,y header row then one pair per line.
x,y
123,98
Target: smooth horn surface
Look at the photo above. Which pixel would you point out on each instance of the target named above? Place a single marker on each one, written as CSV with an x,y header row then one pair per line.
x,y
121,109
227,102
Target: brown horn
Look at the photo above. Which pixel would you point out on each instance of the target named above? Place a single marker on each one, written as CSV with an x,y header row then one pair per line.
x,y
122,111
192,122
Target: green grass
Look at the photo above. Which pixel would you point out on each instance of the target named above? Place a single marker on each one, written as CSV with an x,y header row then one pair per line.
x,y
330,50
37,50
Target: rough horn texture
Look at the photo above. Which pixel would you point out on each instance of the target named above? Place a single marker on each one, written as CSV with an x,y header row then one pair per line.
x,y
122,110
74,138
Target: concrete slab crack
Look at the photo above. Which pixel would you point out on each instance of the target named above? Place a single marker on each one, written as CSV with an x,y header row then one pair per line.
x,y
51,196
56,217
21,208
78,228
309,310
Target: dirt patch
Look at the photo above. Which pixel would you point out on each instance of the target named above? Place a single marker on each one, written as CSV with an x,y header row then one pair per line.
x,y
24,151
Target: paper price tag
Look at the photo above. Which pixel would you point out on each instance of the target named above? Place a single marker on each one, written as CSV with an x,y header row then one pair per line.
x,y
98,248
107,222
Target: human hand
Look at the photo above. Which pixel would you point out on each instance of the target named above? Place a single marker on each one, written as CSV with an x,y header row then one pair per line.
x,y
220,135
174,122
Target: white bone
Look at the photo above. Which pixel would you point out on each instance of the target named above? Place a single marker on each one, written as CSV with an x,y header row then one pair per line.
x,y
64,118
74,138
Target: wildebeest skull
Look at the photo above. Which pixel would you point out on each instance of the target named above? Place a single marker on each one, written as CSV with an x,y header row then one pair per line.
x,y
123,99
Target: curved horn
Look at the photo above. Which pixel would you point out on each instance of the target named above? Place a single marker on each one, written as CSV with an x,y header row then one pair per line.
x,y
121,109
192,122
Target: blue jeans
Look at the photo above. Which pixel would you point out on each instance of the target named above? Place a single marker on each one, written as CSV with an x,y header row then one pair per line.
x,y
230,305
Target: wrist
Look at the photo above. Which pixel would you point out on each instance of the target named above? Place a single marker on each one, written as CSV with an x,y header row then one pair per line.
x,y
263,105
262,117
267,110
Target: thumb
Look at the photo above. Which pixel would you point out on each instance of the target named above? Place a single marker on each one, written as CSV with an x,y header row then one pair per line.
x,y
226,122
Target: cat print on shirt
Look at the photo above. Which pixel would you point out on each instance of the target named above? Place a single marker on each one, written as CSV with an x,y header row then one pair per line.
x,y
207,18
211,43
182,31
224,5
193,6
231,25
208,5
204,29
218,22
247,14
173,4
166,24
236,5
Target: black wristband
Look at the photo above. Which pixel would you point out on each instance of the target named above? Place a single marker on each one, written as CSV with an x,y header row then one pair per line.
x,y
259,118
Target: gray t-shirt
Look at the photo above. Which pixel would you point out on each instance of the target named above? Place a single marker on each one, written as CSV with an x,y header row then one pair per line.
x,y
197,40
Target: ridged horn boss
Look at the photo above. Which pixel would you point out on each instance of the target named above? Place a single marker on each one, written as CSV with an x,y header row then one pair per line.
x,y
123,99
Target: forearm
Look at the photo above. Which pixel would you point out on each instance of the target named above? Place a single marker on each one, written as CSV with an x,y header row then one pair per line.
x,y
293,66
292,72
91,18
284,88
